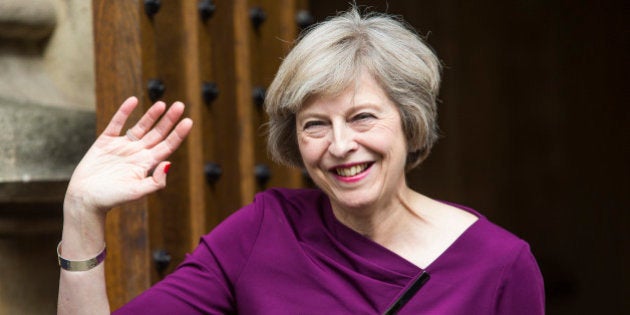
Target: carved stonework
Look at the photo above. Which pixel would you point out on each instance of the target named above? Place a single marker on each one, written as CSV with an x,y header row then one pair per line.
x,y
46,91
27,20
47,123
42,143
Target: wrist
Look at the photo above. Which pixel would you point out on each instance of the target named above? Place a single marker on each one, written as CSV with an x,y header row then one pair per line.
x,y
83,228
80,265
75,202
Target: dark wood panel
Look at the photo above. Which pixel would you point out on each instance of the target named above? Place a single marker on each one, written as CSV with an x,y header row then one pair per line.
x,y
534,136
269,43
167,45
177,47
119,65
225,128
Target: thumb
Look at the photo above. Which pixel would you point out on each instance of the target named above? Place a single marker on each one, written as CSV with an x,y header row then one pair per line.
x,y
158,179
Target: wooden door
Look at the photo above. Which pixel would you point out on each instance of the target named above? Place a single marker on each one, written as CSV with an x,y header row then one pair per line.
x,y
217,57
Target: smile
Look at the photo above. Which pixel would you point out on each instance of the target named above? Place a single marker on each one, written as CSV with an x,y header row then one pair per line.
x,y
352,170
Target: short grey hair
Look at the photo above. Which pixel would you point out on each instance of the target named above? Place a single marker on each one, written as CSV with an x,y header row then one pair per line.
x,y
330,56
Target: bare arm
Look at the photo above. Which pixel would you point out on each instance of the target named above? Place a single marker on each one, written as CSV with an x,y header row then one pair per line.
x,y
115,170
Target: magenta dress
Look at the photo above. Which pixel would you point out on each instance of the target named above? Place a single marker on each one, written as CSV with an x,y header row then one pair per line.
x,y
286,253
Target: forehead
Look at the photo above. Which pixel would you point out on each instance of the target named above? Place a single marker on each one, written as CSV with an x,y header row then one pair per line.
x,y
364,91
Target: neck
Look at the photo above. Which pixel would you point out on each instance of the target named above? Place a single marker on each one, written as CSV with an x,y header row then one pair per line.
x,y
381,221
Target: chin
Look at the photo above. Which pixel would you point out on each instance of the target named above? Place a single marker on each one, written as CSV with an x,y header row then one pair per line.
x,y
356,200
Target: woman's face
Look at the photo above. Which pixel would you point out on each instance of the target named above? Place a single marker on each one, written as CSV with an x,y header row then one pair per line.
x,y
353,146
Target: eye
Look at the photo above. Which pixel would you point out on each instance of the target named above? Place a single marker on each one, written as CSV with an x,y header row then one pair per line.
x,y
363,116
312,123
315,128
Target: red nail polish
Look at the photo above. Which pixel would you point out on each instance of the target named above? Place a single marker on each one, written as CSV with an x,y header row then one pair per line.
x,y
167,167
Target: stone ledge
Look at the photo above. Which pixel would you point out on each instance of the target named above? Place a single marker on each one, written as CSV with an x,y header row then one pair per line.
x,y
27,20
31,218
40,145
31,208
31,193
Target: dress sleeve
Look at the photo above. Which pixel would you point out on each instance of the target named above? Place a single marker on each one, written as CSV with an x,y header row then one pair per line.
x,y
203,282
522,289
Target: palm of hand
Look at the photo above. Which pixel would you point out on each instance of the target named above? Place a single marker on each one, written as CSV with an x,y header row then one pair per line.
x,y
117,169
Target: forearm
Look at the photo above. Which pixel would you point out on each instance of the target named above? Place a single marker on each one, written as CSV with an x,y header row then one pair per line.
x,y
83,237
115,170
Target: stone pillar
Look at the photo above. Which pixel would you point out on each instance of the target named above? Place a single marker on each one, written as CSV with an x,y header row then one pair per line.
x,y
46,124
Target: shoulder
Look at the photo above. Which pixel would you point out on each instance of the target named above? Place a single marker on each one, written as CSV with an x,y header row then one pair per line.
x,y
497,239
290,197
496,242
490,246
500,251
231,242
495,263
519,284
513,254
485,234
269,203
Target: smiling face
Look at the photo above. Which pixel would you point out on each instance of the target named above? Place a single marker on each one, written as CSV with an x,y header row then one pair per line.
x,y
353,146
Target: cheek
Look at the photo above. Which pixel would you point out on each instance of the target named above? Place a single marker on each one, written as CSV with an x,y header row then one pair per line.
x,y
310,150
384,139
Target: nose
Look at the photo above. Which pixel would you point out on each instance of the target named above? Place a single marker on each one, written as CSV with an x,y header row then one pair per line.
x,y
343,140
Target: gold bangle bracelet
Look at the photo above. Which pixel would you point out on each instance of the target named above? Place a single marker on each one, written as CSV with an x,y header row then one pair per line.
x,y
80,265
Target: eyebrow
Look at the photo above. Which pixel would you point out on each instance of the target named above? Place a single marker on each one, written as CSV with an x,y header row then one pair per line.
x,y
355,107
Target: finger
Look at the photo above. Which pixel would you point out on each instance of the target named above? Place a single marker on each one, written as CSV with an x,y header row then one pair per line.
x,y
165,148
165,125
157,180
147,121
120,117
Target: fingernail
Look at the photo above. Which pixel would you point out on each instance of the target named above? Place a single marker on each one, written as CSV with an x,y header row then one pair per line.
x,y
167,167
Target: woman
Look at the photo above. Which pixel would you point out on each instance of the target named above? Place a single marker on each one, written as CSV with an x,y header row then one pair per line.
x,y
354,104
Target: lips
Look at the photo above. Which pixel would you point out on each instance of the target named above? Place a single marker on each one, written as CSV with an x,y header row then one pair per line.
x,y
350,171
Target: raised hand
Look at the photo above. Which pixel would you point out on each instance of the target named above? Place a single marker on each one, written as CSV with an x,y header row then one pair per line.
x,y
124,167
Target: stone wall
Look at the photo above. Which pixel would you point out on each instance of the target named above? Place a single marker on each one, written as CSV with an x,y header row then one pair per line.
x,y
46,88
47,122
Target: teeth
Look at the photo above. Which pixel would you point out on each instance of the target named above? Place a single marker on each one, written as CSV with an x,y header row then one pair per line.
x,y
351,171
